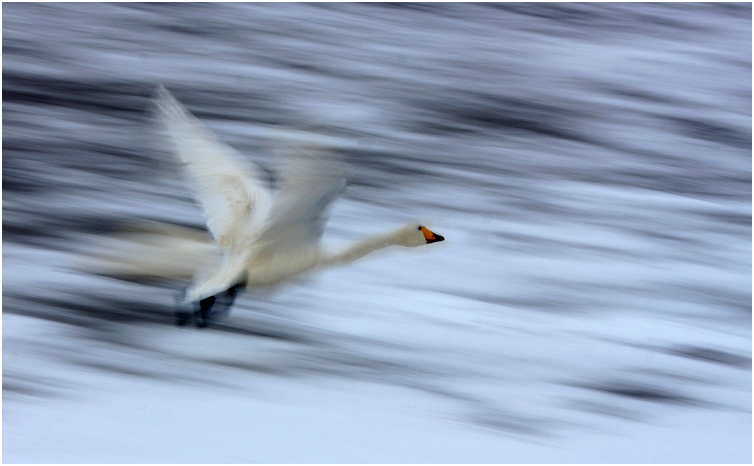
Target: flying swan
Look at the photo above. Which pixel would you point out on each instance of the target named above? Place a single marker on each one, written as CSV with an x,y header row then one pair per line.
x,y
264,239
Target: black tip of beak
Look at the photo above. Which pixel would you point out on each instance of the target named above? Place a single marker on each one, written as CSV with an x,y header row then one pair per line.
x,y
437,238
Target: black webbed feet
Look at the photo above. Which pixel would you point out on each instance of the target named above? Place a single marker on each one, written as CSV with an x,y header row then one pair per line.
x,y
183,311
210,309
182,317
203,314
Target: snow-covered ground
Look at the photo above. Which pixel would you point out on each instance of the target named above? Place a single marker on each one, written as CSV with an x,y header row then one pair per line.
x,y
589,166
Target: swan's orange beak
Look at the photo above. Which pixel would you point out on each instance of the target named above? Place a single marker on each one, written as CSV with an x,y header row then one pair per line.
x,y
430,236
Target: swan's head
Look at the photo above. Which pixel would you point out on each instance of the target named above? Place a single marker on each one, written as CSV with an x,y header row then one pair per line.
x,y
417,235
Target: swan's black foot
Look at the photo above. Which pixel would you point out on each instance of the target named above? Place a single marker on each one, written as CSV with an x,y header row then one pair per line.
x,y
182,317
216,307
203,314
183,312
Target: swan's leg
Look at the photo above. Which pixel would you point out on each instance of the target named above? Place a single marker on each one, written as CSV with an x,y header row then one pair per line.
x,y
216,306
225,300
182,317
202,312
182,310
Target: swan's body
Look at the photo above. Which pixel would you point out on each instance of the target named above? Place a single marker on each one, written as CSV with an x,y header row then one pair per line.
x,y
264,239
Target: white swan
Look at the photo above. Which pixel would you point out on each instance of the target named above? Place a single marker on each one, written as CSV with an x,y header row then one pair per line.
x,y
265,240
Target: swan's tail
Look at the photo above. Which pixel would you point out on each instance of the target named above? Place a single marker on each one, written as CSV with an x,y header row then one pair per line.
x,y
152,251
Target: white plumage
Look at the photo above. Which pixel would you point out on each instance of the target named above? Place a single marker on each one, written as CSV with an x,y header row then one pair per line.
x,y
264,239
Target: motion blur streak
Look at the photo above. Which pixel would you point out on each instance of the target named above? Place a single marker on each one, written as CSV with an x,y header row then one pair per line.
x,y
588,164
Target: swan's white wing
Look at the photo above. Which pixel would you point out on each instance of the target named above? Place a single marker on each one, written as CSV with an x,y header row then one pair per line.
x,y
312,177
229,187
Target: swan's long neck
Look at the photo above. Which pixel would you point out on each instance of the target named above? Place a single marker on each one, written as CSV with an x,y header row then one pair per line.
x,y
362,248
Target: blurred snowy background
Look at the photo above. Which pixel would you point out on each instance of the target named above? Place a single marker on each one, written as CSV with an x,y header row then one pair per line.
x,y
588,164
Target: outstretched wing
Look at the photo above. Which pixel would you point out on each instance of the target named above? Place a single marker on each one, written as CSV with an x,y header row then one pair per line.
x,y
229,187
312,177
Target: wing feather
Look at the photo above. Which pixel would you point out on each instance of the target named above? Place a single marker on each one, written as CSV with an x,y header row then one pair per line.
x,y
312,177
229,187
